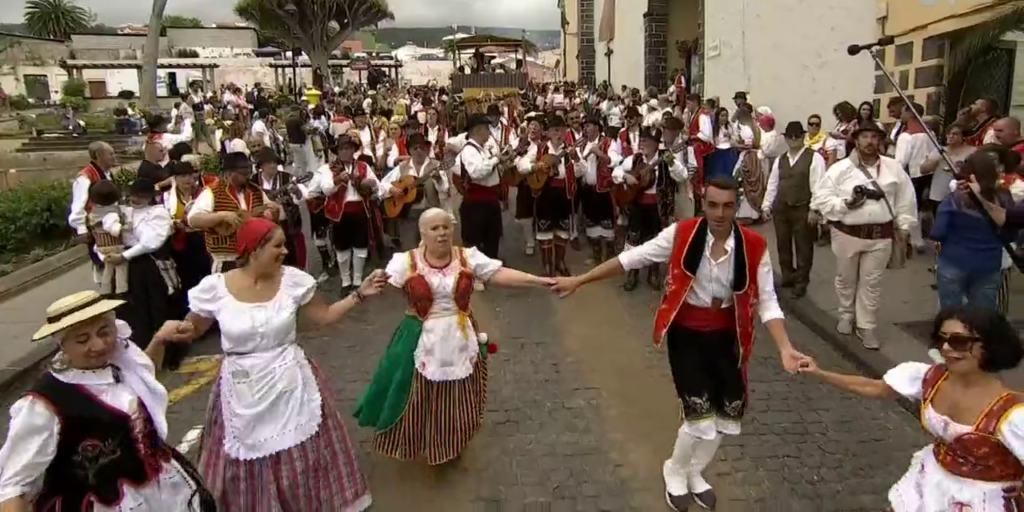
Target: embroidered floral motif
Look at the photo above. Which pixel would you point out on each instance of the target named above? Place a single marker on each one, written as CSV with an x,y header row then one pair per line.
x,y
734,409
92,455
697,407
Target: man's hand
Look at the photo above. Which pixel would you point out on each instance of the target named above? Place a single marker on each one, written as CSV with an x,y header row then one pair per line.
x,y
766,214
231,218
340,178
813,218
630,179
793,361
114,259
565,286
396,192
81,239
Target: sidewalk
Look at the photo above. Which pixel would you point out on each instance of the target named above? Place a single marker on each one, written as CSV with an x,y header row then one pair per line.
x,y
23,314
904,320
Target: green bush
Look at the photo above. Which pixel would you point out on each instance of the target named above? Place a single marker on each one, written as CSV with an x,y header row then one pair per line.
x,y
33,215
124,176
98,122
78,104
74,88
209,163
20,102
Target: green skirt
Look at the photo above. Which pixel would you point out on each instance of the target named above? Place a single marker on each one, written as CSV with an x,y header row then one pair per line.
x,y
385,399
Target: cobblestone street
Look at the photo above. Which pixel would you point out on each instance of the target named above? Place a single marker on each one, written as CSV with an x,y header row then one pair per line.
x,y
582,413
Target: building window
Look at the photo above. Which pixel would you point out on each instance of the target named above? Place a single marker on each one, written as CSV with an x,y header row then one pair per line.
x,y
933,105
933,48
881,58
929,76
905,79
876,106
905,54
882,85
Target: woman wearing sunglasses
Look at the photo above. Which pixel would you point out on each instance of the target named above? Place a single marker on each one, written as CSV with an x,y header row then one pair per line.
x,y
978,424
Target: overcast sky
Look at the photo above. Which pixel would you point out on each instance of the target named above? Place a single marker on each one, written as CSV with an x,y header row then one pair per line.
x,y
528,14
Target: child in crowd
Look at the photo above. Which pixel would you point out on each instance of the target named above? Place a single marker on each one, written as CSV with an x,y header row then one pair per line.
x,y
106,222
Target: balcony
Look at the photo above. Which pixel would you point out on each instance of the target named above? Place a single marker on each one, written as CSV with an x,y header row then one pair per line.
x,y
461,82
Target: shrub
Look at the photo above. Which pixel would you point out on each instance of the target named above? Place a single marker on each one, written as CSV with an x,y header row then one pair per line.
x,y
209,163
20,102
33,215
98,122
78,104
74,87
124,176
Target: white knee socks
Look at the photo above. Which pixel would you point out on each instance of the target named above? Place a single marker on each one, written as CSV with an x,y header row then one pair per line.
x,y
531,239
675,469
344,258
358,263
703,453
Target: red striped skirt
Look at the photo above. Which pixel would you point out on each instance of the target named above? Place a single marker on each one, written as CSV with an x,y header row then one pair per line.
x,y
440,419
321,474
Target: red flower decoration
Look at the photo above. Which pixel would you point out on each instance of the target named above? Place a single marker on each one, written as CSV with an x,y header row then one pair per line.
x,y
492,348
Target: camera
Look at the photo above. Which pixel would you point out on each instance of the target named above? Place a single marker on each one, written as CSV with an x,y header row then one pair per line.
x,y
868,193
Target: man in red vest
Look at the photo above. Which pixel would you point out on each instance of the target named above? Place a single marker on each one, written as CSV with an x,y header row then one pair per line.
x,y
720,277
101,161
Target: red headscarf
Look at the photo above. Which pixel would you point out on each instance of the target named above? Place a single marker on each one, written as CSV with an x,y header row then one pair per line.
x,y
767,122
251,235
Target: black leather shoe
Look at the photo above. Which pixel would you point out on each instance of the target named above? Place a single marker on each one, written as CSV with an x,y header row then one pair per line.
x,y
632,279
706,499
679,503
787,283
799,291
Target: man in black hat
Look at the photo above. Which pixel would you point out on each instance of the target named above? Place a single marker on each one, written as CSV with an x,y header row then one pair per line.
x,y
501,133
432,187
644,216
595,168
345,192
628,141
787,201
478,178
869,202
276,183
554,205
220,209
367,136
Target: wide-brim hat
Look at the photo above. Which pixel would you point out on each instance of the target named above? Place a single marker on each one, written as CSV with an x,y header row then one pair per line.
x,y
348,140
267,156
142,187
493,110
592,119
73,310
237,162
476,120
794,129
650,133
556,122
632,112
416,140
740,95
867,126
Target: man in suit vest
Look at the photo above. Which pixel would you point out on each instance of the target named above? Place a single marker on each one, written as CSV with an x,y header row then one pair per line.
x,y
787,202
708,320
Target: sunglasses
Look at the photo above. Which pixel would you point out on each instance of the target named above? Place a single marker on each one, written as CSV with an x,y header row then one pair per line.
x,y
813,124
956,341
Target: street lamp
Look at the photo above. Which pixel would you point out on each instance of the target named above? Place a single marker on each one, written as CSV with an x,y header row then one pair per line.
x,y
292,11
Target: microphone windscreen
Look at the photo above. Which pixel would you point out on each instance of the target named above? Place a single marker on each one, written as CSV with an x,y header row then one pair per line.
x,y
887,41
853,49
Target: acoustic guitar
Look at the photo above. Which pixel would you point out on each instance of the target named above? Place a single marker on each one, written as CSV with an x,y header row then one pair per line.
x,y
461,179
624,194
409,189
546,166
512,177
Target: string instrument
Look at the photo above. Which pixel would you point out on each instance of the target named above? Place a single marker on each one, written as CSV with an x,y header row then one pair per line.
x,y
461,180
625,194
283,193
511,176
545,168
409,189
365,189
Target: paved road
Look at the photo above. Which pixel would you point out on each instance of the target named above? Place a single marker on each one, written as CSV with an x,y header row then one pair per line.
x,y
582,413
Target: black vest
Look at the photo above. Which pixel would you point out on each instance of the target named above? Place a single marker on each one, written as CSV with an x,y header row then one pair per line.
x,y
99,447
795,180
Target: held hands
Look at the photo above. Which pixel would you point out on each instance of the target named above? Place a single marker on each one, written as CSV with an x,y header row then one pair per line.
x,y
794,362
374,283
343,177
565,286
114,259
813,218
630,179
176,332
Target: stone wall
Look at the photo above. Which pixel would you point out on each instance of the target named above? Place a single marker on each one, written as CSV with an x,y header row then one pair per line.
x,y
588,54
656,44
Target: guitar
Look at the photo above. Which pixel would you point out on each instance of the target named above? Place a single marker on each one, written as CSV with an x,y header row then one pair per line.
x,y
282,193
547,166
512,177
409,189
461,180
643,172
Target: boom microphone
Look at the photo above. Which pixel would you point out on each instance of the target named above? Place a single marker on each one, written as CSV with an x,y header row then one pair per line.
x,y
854,49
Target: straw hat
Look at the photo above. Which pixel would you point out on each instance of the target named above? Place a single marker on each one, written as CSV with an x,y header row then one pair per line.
x,y
74,309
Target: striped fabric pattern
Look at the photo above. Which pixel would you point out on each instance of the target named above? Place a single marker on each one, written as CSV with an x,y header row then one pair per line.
x,y
319,475
440,419
1004,291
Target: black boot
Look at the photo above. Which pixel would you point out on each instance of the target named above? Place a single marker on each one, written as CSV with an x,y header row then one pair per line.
x,y
679,503
654,277
560,266
608,250
547,258
595,251
632,279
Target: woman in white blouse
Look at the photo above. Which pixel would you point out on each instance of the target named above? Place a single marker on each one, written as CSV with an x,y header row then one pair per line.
x,y
273,439
975,462
721,162
428,395
153,283
91,434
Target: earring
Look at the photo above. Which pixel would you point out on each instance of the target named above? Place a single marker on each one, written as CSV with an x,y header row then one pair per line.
x,y
60,362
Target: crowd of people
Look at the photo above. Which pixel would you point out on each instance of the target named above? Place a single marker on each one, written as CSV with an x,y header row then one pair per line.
x,y
663,181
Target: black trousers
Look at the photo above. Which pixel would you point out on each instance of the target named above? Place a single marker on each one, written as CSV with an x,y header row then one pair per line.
x,y
554,210
352,231
707,374
644,223
481,225
598,209
791,228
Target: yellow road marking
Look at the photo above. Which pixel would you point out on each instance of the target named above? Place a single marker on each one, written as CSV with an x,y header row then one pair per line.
x,y
199,364
192,386
208,368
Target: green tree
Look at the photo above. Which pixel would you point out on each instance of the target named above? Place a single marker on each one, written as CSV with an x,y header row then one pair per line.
x,y
316,26
56,19
174,20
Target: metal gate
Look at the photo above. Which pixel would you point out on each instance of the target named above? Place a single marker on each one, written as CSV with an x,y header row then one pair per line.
x,y
989,76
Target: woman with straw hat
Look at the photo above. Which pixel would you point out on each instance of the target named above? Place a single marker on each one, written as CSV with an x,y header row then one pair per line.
x,y
91,434
273,439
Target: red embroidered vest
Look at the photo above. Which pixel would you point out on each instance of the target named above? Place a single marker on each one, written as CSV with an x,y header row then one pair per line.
x,y
627,146
93,175
568,160
421,297
334,205
439,144
687,253
979,454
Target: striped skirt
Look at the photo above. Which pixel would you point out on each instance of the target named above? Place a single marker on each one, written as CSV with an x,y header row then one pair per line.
x,y
321,474
440,418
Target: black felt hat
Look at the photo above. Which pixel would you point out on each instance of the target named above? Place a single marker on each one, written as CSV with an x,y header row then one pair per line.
x,y
416,140
143,187
476,120
865,126
267,156
236,162
347,140
594,120
650,133
493,110
794,129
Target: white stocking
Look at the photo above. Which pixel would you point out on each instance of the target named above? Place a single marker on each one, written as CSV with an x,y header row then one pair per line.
x,y
675,469
703,454
344,258
358,263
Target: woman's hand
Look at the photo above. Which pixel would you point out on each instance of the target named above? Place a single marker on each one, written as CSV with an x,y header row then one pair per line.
x,y
809,365
176,331
373,284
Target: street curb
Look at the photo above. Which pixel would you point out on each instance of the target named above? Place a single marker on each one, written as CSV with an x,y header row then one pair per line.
x,y
11,375
871,363
39,272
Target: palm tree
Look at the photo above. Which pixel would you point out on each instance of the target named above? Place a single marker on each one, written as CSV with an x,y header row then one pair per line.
x,y
56,19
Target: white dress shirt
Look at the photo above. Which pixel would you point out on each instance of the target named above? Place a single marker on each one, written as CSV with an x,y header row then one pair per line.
x,y
498,132
714,279
366,138
80,198
323,183
432,134
817,171
634,142
259,129
613,114
619,174
204,203
705,129
912,150
587,167
525,164
150,227
479,164
393,155
836,186
111,224
413,170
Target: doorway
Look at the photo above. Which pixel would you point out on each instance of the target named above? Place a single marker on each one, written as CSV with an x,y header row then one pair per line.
x,y
37,87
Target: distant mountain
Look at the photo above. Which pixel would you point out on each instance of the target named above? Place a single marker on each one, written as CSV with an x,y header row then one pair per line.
x,y
430,37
